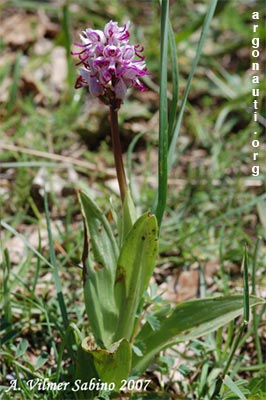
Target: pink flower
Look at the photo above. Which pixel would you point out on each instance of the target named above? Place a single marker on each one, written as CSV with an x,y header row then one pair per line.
x,y
110,64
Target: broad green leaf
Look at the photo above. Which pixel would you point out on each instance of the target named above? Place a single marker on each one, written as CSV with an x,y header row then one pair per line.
x,y
41,360
85,372
135,267
99,272
112,365
22,347
187,321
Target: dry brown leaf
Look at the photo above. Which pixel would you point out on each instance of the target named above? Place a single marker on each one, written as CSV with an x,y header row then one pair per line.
x,y
20,29
181,287
211,269
59,67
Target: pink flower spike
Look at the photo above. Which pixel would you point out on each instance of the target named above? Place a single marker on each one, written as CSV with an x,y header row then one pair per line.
x,y
111,63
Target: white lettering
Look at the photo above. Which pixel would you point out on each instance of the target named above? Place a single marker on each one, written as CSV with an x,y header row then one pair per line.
x,y
255,79
76,385
255,42
13,385
255,66
84,386
32,383
92,385
255,170
62,385
255,103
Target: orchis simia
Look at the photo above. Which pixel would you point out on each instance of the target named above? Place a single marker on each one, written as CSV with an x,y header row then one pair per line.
x,y
111,64
116,270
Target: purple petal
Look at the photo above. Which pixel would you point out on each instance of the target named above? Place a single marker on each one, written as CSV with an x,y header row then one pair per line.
x,y
94,87
95,35
120,89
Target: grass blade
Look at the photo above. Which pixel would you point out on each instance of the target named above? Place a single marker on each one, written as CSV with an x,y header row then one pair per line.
x,y
234,347
6,289
246,288
214,221
36,164
67,44
256,318
204,32
58,286
163,116
228,382
254,265
26,242
14,86
129,155
38,267
175,82
221,262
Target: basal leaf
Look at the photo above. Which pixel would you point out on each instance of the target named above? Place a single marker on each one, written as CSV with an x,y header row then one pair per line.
x,y
112,365
85,371
187,321
135,267
99,271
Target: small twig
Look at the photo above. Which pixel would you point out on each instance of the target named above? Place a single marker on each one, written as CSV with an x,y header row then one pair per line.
x,y
58,157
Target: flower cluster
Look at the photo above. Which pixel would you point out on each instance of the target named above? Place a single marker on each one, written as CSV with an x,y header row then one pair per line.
x,y
110,63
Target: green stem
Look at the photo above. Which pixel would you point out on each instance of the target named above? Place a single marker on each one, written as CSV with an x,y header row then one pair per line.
x,y
120,172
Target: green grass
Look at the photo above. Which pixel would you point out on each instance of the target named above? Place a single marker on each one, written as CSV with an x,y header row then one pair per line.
x,y
210,211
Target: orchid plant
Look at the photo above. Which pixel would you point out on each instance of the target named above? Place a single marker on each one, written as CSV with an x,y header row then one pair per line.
x,y
117,269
